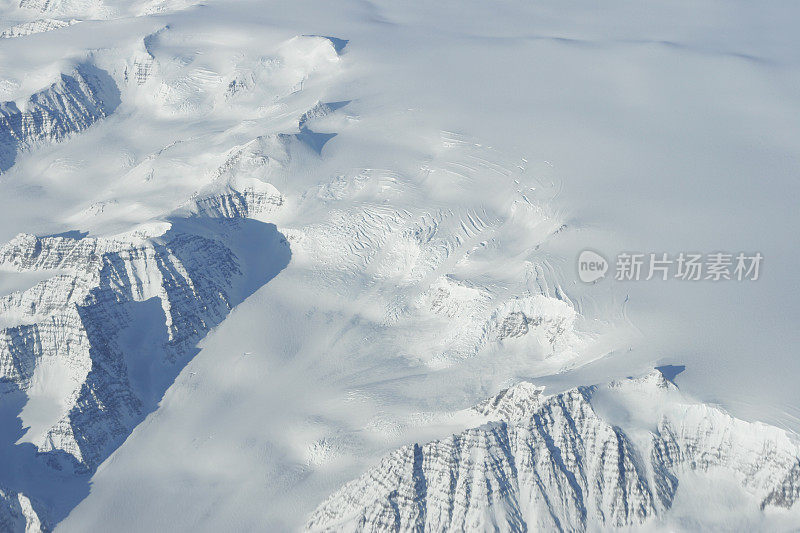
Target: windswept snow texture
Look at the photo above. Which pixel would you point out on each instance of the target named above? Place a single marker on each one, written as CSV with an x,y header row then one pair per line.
x,y
94,329
94,347
588,458
70,105
310,265
35,26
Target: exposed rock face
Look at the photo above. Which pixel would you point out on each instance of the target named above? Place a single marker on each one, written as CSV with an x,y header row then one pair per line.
x,y
243,192
120,315
89,8
72,104
559,464
787,492
17,514
255,199
142,64
88,348
35,26
188,274
116,318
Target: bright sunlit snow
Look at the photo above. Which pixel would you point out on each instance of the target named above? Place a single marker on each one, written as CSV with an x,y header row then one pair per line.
x,y
275,266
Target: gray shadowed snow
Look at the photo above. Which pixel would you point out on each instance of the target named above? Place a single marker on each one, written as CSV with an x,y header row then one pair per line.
x,y
79,99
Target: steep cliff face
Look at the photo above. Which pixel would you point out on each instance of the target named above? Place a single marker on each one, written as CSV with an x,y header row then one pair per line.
x,y
85,8
35,26
96,345
560,463
80,316
73,103
95,329
81,329
426,275
17,514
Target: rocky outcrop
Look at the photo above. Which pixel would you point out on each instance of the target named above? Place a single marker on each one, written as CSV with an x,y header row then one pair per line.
x,y
84,8
86,311
121,315
559,463
35,26
17,514
72,104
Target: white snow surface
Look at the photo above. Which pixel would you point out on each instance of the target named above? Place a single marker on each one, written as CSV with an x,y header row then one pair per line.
x,y
433,170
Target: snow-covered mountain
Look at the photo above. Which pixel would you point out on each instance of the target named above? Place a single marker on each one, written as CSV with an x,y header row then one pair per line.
x,y
591,458
73,103
93,347
271,267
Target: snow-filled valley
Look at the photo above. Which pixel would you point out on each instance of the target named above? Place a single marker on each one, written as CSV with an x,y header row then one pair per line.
x,y
270,266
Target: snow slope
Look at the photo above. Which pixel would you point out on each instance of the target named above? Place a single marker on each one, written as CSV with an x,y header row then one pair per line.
x,y
590,458
250,249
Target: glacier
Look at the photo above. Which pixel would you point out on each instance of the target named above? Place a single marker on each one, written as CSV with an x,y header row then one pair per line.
x,y
311,267
561,463
75,102
97,344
